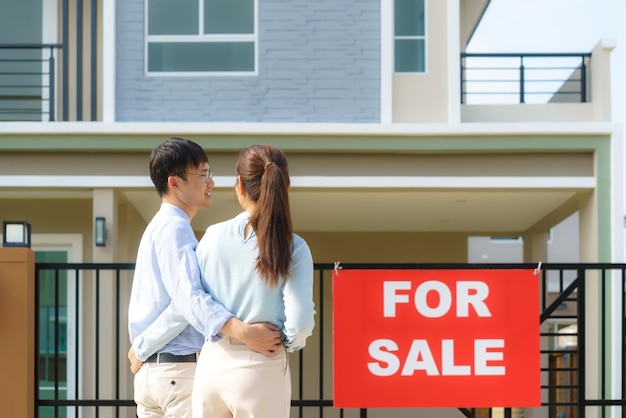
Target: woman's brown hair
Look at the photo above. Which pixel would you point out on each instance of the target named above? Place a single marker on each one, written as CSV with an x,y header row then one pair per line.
x,y
265,177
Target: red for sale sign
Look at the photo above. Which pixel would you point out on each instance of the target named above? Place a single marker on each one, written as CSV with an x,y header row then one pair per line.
x,y
436,338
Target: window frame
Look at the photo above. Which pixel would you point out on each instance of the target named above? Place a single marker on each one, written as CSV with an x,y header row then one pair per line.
x,y
202,38
411,37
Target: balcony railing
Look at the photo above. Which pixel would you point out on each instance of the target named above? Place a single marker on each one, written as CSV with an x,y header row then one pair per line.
x,y
28,81
532,78
55,81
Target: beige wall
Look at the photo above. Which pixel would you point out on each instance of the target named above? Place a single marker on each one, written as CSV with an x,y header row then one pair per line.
x,y
304,163
73,54
131,226
51,216
553,112
379,247
74,216
457,164
424,97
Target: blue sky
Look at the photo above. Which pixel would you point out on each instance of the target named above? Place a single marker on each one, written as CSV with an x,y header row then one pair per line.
x,y
558,26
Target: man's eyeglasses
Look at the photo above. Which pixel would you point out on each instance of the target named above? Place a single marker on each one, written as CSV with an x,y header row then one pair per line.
x,y
208,175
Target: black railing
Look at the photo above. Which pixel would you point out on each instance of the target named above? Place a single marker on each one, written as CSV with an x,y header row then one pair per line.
x,y
82,341
55,81
27,81
511,78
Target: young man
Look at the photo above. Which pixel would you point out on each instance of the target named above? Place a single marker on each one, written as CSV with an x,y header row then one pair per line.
x,y
167,296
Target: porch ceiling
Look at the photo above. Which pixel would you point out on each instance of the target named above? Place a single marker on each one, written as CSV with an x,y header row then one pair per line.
x,y
475,212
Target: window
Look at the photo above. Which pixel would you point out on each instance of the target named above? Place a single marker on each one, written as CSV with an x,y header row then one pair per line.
x,y
201,36
409,36
505,239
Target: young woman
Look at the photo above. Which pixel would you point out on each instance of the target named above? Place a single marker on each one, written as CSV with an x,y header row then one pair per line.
x,y
260,271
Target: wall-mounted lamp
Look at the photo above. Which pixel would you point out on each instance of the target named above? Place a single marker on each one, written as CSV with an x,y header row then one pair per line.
x,y
16,234
101,232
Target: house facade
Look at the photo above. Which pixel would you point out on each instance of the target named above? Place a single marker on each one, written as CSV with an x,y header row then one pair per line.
x,y
397,152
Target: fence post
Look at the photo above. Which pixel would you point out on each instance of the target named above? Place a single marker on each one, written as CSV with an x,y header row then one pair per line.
x,y
582,363
17,332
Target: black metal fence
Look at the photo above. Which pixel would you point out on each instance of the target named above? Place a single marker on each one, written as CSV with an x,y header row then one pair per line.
x,y
533,78
81,342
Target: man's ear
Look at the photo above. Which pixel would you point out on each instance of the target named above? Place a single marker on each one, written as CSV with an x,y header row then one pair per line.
x,y
172,182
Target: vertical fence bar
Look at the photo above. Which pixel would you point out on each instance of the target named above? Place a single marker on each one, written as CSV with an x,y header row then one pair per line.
x,y
623,335
300,381
78,335
581,305
117,341
97,342
56,341
321,347
603,338
37,342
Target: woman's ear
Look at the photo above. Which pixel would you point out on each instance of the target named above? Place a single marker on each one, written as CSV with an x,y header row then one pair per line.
x,y
240,188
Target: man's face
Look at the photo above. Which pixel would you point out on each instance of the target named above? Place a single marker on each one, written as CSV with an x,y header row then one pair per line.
x,y
196,191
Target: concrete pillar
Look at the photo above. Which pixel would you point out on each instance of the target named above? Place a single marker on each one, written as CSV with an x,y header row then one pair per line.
x,y
104,205
589,253
588,228
536,247
17,332
601,79
536,250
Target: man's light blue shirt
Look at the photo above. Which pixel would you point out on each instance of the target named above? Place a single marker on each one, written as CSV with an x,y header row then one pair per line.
x,y
167,295
227,260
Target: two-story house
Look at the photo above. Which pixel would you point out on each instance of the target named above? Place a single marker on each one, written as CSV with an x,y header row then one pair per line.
x,y
396,153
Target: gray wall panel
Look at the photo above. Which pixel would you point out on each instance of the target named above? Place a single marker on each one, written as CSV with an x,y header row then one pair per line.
x,y
318,62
